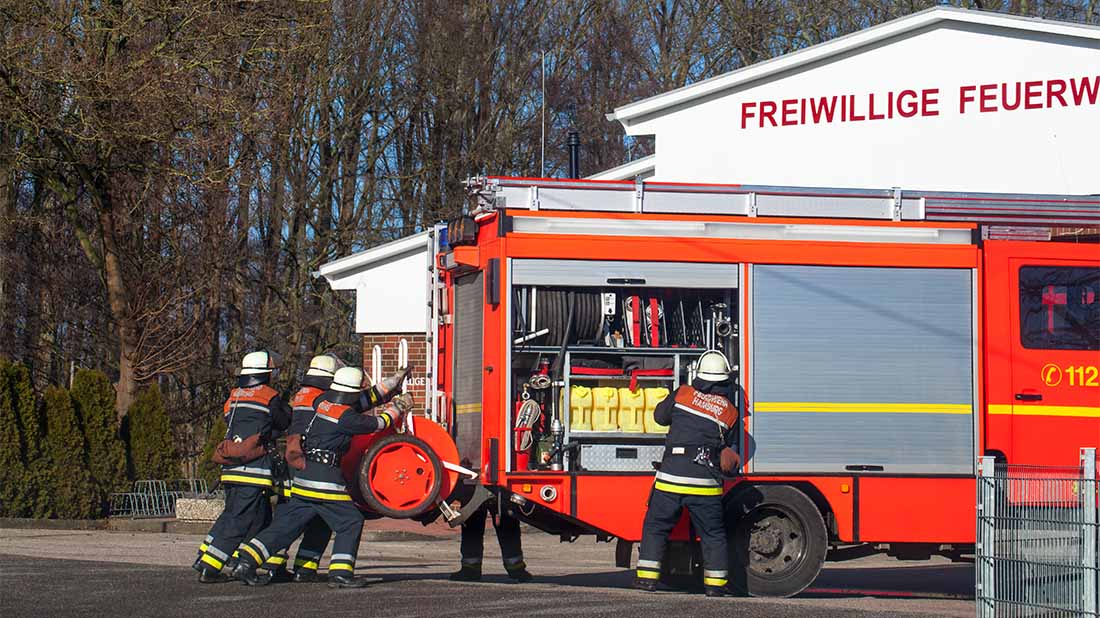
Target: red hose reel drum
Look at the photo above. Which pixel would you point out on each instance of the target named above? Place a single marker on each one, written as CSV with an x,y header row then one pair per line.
x,y
402,475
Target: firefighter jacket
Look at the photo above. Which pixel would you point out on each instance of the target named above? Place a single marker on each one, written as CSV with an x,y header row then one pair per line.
x,y
301,412
301,406
253,408
312,388
702,420
337,417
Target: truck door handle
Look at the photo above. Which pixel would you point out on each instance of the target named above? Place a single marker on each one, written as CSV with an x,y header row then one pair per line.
x,y
1028,397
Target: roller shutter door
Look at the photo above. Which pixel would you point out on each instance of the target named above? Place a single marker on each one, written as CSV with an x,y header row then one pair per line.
x,y
467,365
862,370
610,272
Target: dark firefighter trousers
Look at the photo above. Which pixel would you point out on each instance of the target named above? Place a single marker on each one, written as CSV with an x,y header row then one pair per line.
x,y
508,535
247,511
313,543
312,546
707,518
294,516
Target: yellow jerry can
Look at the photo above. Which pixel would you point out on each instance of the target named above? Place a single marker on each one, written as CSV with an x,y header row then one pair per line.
x,y
580,408
653,396
632,410
605,409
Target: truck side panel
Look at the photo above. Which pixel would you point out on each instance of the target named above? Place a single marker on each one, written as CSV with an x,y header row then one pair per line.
x,y
916,510
862,370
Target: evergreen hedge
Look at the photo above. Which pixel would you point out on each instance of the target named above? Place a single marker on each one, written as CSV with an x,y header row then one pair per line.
x,y
34,498
94,400
62,455
11,459
72,494
152,451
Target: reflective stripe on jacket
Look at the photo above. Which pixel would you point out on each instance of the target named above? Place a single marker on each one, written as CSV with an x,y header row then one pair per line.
x,y
698,421
337,418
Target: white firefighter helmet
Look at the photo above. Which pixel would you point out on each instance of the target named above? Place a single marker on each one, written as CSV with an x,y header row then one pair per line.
x,y
713,366
255,363
323,365
348,380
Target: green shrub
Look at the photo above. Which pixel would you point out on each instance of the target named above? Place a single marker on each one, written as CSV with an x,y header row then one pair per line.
x,y
207,468
94,400
11,461
34,484
151,447
72,495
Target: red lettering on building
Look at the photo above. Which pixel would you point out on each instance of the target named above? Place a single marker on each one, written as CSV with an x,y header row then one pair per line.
x,y
925,102
1033,95
929,99
1084,91
987,96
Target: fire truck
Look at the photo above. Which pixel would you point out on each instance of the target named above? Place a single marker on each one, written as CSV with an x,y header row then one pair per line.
x,y
882,340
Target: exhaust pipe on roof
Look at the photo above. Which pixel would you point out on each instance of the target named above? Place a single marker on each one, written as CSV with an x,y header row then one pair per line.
x,y
574,142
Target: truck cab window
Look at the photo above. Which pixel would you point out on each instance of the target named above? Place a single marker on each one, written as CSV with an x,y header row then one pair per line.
x,y
1060,308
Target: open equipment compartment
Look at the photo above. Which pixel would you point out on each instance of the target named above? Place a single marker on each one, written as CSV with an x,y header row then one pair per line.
x,y
595,346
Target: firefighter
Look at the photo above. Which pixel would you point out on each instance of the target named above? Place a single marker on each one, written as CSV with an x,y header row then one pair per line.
x,y
702,419
317,380
320,489
473,546
253,411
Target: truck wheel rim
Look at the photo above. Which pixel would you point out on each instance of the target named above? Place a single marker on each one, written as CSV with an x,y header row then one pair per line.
x,y
776,541
401,476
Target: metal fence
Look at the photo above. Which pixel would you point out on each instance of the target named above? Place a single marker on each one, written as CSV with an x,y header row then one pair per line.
x,y
155,498
1037,540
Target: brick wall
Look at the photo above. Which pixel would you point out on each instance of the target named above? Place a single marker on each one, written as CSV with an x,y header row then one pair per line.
x,y
418,355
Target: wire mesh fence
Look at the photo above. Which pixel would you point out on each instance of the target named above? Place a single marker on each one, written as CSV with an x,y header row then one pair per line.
x,y
156,498
1037,540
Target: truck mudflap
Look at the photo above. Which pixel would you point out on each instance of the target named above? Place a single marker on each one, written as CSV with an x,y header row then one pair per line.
x,y
403,472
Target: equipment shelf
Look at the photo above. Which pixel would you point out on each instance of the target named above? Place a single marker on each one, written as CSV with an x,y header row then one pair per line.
x,y
585,376
553,349
580,435
616,437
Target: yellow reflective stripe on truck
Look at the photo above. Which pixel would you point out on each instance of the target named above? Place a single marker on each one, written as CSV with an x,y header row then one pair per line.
x,y
1038,410
862,407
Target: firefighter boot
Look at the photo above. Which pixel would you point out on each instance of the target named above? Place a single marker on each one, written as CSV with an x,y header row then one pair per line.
x,y
210,575
280,576
345,580
466,574
520,575
247,574
305,576
649,585
716,591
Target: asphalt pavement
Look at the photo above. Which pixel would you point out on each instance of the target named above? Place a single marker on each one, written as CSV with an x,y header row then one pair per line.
x,y
80,573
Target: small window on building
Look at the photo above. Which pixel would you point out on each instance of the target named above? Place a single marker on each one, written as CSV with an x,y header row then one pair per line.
x,y
1060,308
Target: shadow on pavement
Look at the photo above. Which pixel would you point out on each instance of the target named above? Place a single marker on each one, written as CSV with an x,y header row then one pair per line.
x,y
955,581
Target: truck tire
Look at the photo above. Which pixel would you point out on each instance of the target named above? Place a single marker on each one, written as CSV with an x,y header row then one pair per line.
x,y
400,477
777,541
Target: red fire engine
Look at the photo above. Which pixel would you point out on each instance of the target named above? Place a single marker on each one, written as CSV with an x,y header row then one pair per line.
x,y
882,341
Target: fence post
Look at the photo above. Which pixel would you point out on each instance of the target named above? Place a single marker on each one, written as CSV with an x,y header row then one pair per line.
x,y
1088,540
987,530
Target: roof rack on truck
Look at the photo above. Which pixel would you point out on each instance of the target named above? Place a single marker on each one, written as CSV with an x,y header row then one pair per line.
x,y
894,204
